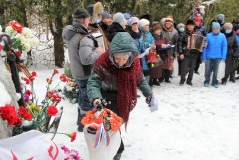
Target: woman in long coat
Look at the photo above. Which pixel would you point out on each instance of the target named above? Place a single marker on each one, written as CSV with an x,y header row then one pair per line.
x,y
116,75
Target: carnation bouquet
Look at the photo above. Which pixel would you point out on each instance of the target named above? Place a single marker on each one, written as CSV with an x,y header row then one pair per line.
x,y
44,116
102,133
71,90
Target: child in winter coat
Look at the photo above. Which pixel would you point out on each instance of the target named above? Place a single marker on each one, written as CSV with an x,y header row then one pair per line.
x,y
214,53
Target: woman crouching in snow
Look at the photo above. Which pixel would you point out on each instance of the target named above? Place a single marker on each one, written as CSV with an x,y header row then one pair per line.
x,y
116,75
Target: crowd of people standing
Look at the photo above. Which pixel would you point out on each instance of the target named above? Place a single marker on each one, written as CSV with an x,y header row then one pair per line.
x,y
141,53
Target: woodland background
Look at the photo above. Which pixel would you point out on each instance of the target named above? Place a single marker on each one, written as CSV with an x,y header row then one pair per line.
x,y
48,17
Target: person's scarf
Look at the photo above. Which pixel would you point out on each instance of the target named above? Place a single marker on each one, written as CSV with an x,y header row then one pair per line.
x,y
127,80
135,35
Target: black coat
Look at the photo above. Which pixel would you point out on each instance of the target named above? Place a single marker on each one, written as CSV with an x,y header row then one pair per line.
x,y
232,45
105,27
114,29
183,42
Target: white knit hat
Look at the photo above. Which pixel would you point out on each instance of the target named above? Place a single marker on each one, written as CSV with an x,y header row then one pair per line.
x,y
133,20
143,22
119,18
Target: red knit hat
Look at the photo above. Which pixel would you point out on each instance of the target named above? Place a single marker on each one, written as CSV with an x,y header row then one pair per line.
x,y
168,20
197,19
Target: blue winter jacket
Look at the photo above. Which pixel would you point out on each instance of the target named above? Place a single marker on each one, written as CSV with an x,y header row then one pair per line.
x,y
148,41
141,47
148,38
216,46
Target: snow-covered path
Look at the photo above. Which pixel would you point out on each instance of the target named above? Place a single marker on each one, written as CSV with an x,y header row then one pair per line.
x,y
192,123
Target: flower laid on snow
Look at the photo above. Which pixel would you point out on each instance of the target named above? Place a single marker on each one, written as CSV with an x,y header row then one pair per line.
x,y
71,90
72,136
110,120
70,154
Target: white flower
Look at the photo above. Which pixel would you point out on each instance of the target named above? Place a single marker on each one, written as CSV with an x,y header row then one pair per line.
x,y
0,28
9,29
26,40
26,47
34,41
18,35
13,33
22,39
27,32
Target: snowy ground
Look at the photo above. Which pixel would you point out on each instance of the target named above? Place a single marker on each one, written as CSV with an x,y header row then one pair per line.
x,y
192,123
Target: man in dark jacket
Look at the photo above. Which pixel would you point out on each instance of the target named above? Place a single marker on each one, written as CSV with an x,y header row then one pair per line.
x,y
104,25
82,54
106,22
189,57
232,54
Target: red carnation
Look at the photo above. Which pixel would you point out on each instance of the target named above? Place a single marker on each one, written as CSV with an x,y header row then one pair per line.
x,y
22,110
56,71
52,111
0,47
63,78
5,111
34,74
24,113
19,54
14,121
27,80
31,78
28,92
9,113
72,136
49,80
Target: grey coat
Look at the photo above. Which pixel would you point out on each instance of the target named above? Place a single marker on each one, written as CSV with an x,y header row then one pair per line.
x,y
171,37
81,50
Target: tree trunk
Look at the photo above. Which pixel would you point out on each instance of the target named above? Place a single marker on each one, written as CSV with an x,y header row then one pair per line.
x,y
59,50
58,41
22,7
